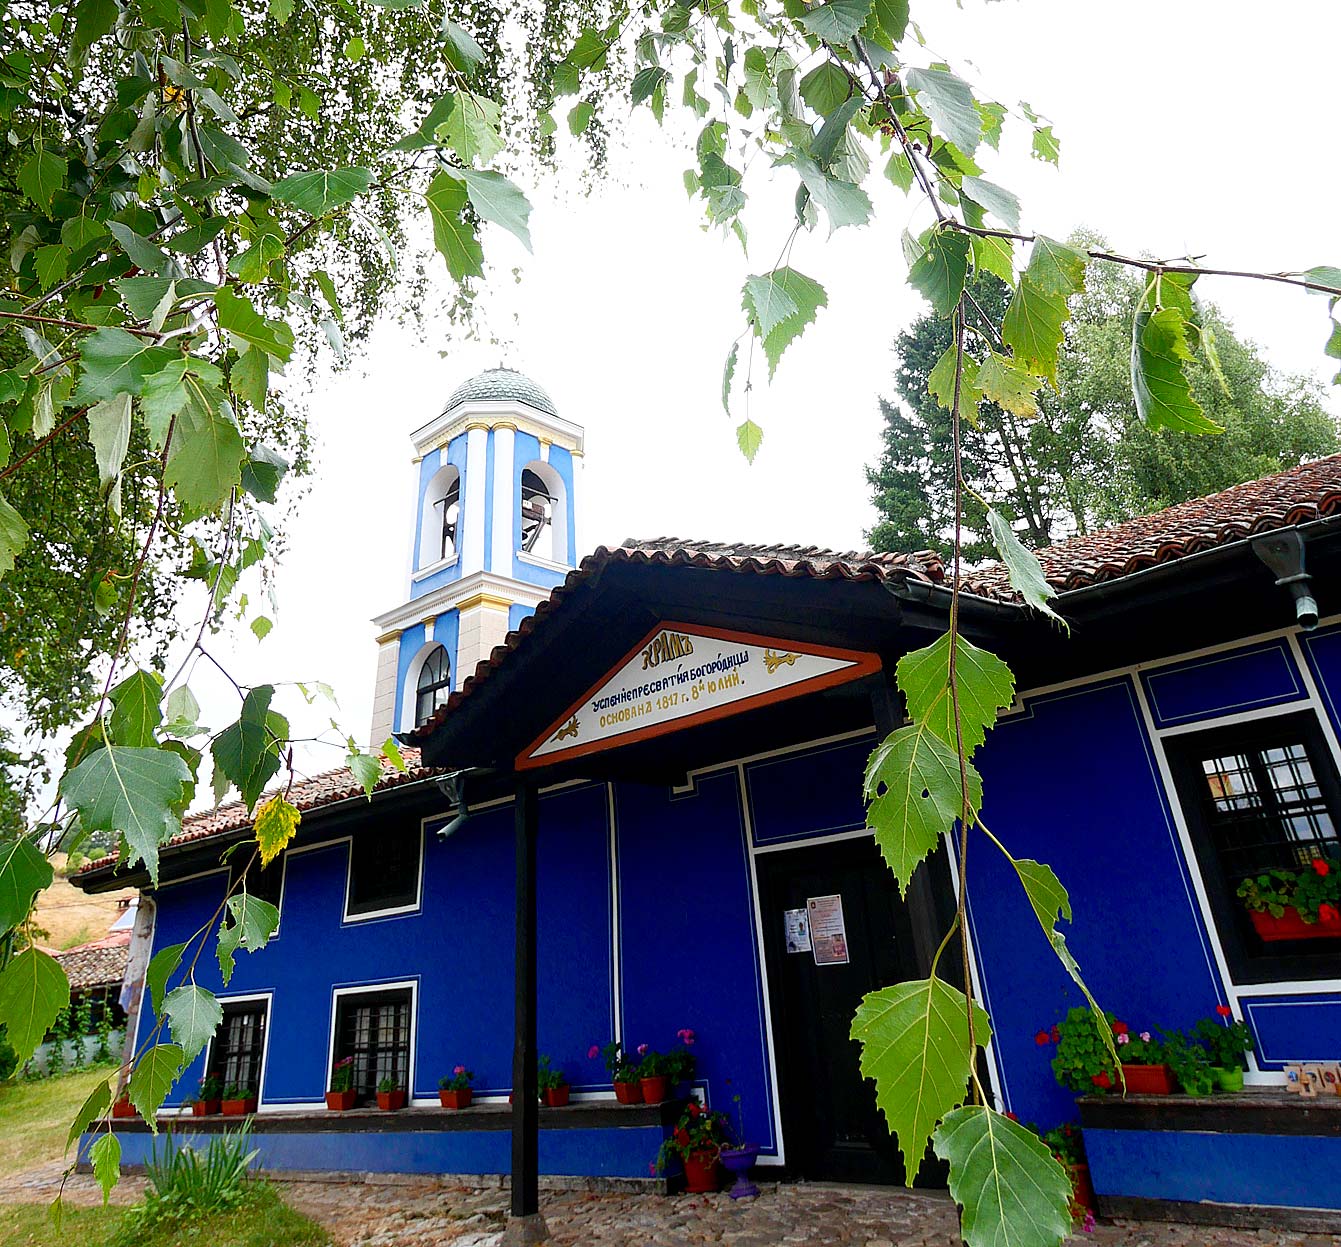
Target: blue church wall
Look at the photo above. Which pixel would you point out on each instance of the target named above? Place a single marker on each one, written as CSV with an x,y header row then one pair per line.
x,y
1101,821
411,641
803,795
516,613
561,460
428,465
688,953
1223,683
526,450
1286,1029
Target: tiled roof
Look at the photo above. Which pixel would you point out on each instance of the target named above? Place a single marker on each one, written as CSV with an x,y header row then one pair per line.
x,y
808,562
99,964
1283,500
306,794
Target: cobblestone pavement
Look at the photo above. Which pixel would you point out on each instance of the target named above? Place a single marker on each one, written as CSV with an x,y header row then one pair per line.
x,y
427,1213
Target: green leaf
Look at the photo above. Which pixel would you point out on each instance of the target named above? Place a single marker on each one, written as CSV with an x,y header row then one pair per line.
x,y
838,20
262,472
986,685
590,50
105,1157
136,709
780,305
843,202
1008,385
253,922
41,176
425,135
1045,145
152,1079
366,769
1013,1191
245,325
94,1108
645,83
51,264
276,824
893,18
471,129
116,362
463,53
825,87
995,256
261,627
143,254
193,1015
749,437
941,384
1023,567
939,273
914,796
250,378
579,117
13,535
391,752
109,435
1160,386
132,791
205,460
162,966
186,382
252,266
356,49
1033,324
248,752
453,235
915,1044
182,707
321,191
1056,267
996,199
24,872
499,200
948,101
728,373
33,990
992,115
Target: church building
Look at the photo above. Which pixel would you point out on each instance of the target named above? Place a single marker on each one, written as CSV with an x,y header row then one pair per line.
x,y
634,809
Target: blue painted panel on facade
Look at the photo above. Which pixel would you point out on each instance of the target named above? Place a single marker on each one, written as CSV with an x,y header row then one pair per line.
x,y
1286,1029
411,642
1226,683
561,461
428,465
447,632
1286,1171
688,956
1322,652
1072,782
803,795
516,613
622,1152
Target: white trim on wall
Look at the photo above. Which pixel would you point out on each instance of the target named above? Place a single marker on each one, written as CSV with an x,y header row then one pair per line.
x,y
616,962
471,541
505,521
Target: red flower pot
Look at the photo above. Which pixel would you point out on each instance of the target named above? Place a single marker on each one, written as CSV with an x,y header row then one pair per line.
x,y
204,1108
655,1089
455,1099
1148,1079
1291,926
390,1101
239,1108
339,1101
123,1108
1104,1080
556,1097
1082,1189
701,1172
628,1093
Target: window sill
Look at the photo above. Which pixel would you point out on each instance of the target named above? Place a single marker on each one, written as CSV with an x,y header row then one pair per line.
x,y
441,565
536,561
399,911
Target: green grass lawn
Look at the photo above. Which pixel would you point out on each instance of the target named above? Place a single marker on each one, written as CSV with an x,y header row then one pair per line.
x,y
263,1220
35,1117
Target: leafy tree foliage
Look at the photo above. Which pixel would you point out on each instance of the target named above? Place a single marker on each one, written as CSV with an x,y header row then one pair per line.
x,y
1085,457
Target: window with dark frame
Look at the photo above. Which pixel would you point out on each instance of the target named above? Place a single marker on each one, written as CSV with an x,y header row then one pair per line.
x,y
373,1027
384,869
449,509
239,1044
1262,795
434,685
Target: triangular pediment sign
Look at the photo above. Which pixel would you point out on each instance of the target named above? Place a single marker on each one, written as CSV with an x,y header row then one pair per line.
x,y
680,675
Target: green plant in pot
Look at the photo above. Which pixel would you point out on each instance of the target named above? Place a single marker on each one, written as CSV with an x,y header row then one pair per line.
x,y
1302,904
209,1096
1081,1063
454,1089
624,1072
390,1094
551,1084
342,1095
1190,1062
697,1143
1145,1068
1226,1040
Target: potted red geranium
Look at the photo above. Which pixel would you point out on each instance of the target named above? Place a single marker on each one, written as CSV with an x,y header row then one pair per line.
x,y
454,1090
623,1072
209,1096
238,1101
553,1086
1082,1062
342,1095
1226,1040
660,1074
390,1095
697,1142
1068,1146
1145,1069
1295,904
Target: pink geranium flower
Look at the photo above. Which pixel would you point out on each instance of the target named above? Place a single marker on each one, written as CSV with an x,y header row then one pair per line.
x,y
642,1049
1123,1038
686,1036
593,1052
460,1069
1145,1036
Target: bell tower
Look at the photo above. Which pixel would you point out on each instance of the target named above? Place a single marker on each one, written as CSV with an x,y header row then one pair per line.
x,y
493,531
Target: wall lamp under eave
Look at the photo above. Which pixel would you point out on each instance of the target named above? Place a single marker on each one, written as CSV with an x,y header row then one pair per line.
x,y
453,787
1283,553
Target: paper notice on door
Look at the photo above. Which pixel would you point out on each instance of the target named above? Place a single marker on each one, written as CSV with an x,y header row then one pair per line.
x,y
797,928
828,934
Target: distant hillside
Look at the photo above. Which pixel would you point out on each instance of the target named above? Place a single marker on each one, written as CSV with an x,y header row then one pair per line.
x,y
69,917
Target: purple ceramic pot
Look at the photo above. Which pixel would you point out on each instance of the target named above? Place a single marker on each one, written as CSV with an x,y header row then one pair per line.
x,y
738,1160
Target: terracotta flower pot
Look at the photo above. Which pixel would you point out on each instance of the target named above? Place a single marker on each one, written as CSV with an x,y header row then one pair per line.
x,y
701,1172
239,1108
1148,1079
1291,926
628,1093
390,1101
455,1099
123,1108
205,1108
1228,1079
339,1101
1082,1189
655,1089
556,1097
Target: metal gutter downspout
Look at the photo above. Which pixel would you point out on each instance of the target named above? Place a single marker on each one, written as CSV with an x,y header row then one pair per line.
x,y
969,603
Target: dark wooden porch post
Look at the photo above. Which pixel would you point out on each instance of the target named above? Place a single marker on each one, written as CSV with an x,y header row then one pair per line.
x,y
525,1100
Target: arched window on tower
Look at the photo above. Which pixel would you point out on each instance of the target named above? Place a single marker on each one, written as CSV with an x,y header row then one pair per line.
x,y
544,513
440,523
434,685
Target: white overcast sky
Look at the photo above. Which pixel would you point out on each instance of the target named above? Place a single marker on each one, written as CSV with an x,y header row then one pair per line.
x,y
1186,125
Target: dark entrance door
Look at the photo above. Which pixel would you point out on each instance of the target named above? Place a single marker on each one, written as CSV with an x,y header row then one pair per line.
x,y
832,1127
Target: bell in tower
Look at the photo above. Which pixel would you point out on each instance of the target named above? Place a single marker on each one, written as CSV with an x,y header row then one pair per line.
x,y
494,531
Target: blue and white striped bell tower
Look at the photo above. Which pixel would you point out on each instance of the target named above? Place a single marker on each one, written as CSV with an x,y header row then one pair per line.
x,y
494,530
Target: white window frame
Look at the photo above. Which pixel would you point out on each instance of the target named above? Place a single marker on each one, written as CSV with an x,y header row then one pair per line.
x,y
243,998
370,989
393,911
